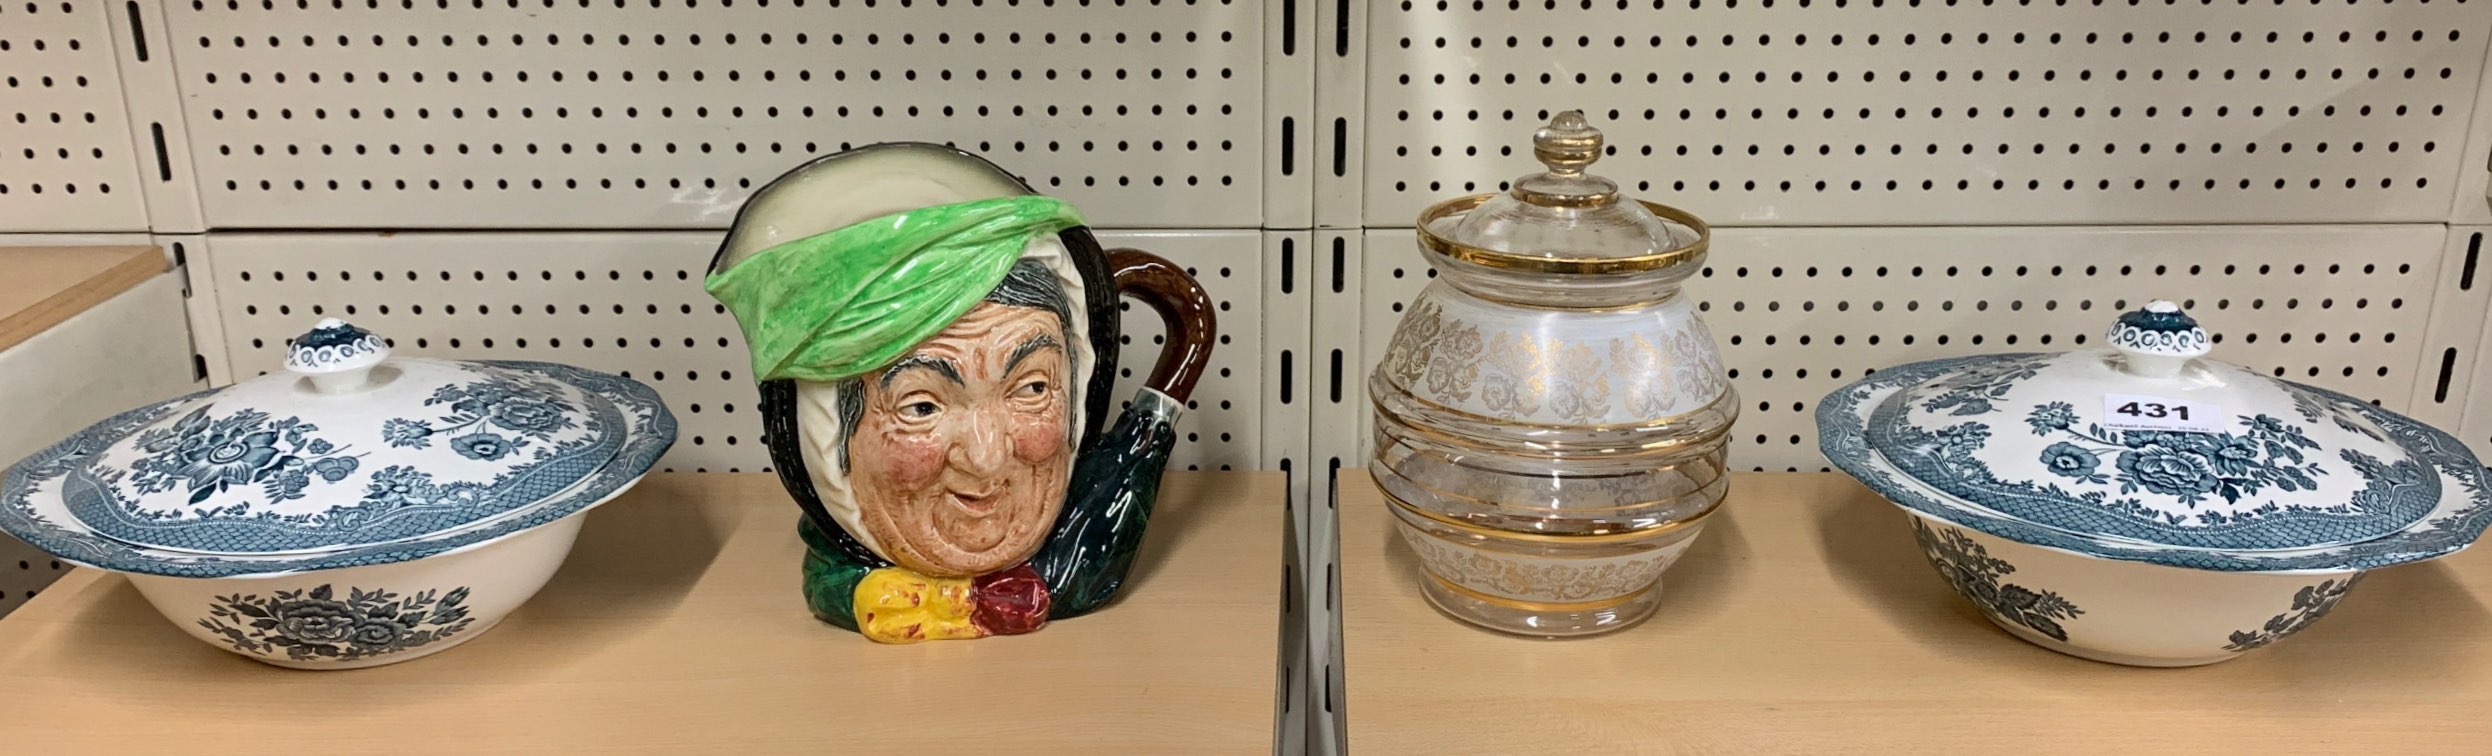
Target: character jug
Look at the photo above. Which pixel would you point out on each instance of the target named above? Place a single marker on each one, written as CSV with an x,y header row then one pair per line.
x,y
936,345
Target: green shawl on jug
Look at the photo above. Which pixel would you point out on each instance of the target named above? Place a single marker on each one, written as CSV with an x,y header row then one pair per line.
x,y
845,302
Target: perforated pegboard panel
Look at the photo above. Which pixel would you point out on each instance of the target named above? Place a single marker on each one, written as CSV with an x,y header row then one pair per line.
x,y
1290,163
157,129
1287,328
1338,429
1904,112
542,114
1340,96
1800,312
1222,427
2451,346
24,572
632,304
2473,203
66,162
2469,334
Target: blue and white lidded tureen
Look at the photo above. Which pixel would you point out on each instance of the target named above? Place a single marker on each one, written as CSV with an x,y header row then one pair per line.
x,y
2144,504
358,509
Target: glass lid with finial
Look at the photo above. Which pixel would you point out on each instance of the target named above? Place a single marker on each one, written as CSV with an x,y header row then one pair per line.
x,y
349,447
1551,231
2151,450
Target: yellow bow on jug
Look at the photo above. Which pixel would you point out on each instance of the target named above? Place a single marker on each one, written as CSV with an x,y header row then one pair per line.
x,y
895,605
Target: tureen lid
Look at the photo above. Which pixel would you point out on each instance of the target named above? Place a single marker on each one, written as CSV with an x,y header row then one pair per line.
x,y
348,448
2148,445
1563,220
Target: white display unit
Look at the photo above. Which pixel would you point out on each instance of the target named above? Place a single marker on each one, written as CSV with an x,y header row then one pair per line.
x,y
1893,179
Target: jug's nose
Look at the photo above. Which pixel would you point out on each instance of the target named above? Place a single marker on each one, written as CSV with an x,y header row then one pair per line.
x,y
981,444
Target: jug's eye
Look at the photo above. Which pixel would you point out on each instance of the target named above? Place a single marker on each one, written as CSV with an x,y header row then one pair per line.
x,y
1033,389
919,410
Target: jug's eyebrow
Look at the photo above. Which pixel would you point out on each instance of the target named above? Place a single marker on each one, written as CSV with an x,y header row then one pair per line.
x,y
1030,347
939,365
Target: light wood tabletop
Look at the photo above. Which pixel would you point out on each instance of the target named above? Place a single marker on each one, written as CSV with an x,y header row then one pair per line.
x,y
676,627
42,286
1805,620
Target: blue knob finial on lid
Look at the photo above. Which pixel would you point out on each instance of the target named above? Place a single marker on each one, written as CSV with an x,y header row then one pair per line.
x,y
2155,341
335,354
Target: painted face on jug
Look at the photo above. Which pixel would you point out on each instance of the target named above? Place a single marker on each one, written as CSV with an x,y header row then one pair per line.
x,y
960,455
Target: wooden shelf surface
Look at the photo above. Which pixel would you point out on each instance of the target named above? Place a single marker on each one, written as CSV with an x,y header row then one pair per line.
x,y
676,627
42,286
1806,621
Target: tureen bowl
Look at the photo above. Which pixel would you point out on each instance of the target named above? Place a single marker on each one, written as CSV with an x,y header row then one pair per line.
x,y
355,511
2141,505
368,616
2132,613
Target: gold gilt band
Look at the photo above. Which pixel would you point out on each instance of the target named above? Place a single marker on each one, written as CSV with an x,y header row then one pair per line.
x,y
1489,258
1489,532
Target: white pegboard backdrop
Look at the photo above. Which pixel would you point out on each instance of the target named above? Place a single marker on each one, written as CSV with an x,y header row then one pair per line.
x,y
2473,204
633,304
66,162
664,113
2467,385
1904,112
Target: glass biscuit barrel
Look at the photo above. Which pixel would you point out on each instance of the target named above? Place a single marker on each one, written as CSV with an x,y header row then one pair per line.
x,y
1551,413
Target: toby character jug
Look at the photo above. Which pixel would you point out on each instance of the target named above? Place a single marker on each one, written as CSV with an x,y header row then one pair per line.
x,y
936,346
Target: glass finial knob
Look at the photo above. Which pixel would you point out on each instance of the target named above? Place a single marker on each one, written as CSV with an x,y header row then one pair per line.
x,y
1567,144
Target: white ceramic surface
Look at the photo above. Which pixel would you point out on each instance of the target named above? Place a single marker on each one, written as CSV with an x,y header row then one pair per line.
x,y
366,616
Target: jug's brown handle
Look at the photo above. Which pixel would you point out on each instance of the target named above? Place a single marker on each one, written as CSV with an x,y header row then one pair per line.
x,y
1181,302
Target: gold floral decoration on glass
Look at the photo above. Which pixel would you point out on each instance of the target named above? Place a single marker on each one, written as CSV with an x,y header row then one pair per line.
x,y
1648,375
1539,581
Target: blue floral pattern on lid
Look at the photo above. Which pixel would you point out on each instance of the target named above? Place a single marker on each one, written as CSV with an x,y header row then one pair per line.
x,y
352,449
2258,486
32,507
2457,509
2146,442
